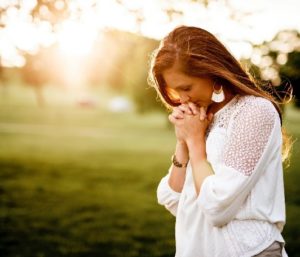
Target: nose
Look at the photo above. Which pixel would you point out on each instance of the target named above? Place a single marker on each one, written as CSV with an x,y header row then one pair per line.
x,y
184,98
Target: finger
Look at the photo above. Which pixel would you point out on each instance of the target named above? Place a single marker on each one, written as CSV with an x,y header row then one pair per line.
x,y
185,108
194,108
178,114
210,116
171,119
180,109
202,113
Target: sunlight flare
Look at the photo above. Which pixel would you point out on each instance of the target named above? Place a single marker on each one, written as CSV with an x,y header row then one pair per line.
x,y
76,39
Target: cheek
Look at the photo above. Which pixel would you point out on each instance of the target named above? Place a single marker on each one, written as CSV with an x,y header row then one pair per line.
x,y
201,95
203,98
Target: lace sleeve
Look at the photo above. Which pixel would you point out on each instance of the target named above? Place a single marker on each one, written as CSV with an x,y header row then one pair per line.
x,y
249,136
253,140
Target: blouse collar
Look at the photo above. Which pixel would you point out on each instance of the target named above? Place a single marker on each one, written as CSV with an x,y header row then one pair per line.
x,y
231,102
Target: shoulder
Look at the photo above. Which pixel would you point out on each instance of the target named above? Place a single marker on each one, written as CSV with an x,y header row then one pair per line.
x,y
254,113
256,107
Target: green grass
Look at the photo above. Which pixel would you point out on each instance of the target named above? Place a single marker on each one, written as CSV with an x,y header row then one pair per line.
x,y
291,231
82,182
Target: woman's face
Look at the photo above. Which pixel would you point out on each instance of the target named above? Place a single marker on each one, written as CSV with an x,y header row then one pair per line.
x,y
189,89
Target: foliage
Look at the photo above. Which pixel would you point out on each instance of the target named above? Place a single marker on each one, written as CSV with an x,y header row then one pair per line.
x,y
277,60
291,70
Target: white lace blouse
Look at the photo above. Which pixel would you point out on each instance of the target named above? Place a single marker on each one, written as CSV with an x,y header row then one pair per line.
x,y
240,209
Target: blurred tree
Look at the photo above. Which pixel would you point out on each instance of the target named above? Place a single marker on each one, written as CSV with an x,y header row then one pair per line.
x,y
42,68
277,61
127,67
40,15
37,69
53,12
41,10
34,74
291,70
124,61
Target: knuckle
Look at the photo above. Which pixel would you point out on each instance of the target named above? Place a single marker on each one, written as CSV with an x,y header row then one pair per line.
x,y
182,107
175,114
186,108
182,111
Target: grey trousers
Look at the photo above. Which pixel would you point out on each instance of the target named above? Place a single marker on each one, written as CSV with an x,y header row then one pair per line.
x,y
274,250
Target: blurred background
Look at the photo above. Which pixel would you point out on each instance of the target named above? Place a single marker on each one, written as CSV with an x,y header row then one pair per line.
x,y
84,139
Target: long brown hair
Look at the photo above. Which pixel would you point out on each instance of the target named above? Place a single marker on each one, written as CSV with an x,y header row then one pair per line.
x,y
199,53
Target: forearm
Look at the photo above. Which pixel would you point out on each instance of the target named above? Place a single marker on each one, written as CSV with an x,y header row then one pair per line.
x,y
177,175
200,166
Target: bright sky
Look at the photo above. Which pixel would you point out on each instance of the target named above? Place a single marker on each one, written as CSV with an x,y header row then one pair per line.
x,y
234,22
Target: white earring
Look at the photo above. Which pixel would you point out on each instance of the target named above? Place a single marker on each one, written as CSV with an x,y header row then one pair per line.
x,y
218,95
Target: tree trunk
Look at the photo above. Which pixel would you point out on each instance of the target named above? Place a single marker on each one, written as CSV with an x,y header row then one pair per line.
x,y
40,99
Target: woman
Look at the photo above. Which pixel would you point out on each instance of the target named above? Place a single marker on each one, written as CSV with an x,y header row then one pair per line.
x,y
225,183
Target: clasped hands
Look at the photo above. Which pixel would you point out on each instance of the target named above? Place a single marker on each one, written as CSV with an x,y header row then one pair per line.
x,y
191,122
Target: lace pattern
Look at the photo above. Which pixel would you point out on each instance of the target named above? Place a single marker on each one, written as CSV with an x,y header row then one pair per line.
x,y
222,117
252,119
251,127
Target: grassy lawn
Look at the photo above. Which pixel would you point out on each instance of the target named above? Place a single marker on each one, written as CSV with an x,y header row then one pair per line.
x,y
291,231
82,182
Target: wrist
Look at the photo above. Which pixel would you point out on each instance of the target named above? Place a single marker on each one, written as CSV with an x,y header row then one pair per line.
x,y
182,151
177,163
195,141
181,142
197,149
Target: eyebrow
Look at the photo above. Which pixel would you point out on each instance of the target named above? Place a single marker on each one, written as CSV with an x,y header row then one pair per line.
x,y
181,86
